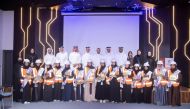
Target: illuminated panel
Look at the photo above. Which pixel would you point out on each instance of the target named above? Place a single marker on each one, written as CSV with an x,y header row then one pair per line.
x,y
176,31
54,42
158,33
40,30
185,46
149,33
24,34
47,24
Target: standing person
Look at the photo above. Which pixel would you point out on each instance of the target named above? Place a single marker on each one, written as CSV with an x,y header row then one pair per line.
x,y
86,56
121,57
175,77
48,82
160,85
58,79
151,61
114,83
108,56
62,56
130,58
127,83
89,88
97,57
147,81
79,82
101,86
75,57
68,78
26,81
38,72
137,84
32,56
138,59
49,57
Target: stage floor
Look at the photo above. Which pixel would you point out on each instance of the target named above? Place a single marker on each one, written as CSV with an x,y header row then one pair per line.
x,y
92,105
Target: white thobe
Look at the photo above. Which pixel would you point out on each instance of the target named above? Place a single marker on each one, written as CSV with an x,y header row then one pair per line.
x,y
121,58
74,58
62,57
108,58
97,58
49,58
85,58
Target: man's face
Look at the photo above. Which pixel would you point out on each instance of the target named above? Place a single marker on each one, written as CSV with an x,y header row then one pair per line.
x,y
102,64
88,50
136,68
79,65
57,64
67,65
120,50
32,51
108,50
159,65
49,51
61,49
98,50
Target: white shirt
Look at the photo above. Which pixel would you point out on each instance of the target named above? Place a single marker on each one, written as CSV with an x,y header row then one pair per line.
x,y
85,58
62,57
49,58
97,58
108,58
74,58
121,58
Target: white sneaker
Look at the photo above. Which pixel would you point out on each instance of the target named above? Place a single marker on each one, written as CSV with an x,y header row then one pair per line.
x,y
104,101
28,102
25,102
101,101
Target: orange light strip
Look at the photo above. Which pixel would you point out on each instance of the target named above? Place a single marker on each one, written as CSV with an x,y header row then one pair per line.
x,y
47,24
186,44
54,42
149,27
40,30
161,34
176,31
158,32
24,34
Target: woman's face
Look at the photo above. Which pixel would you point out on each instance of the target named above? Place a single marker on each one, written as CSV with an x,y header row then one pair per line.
x,y
38,64
26,64
136,68
145,67
127,65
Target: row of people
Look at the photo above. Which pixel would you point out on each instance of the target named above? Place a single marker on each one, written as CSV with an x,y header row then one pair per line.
x,y
75,57
103,83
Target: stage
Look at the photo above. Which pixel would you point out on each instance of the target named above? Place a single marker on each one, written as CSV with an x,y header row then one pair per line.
x,y
92,105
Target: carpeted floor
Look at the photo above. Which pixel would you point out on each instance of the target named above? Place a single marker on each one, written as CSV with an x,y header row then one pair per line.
x,y
92,105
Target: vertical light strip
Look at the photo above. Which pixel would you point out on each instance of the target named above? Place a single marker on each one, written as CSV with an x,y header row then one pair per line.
x,y
24,34
54,43
158,33
149,40
47,24
40,30
27,31
185,46
161,34
176,31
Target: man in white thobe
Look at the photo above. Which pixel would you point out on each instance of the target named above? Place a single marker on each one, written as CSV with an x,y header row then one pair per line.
x,y
121,57
86,56
75,57
62,56
97,57
49,57
108,56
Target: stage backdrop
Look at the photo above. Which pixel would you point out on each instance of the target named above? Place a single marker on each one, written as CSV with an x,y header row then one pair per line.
x,y
101,31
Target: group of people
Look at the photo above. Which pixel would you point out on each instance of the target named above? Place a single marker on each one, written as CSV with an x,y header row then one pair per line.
x,y
97,77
